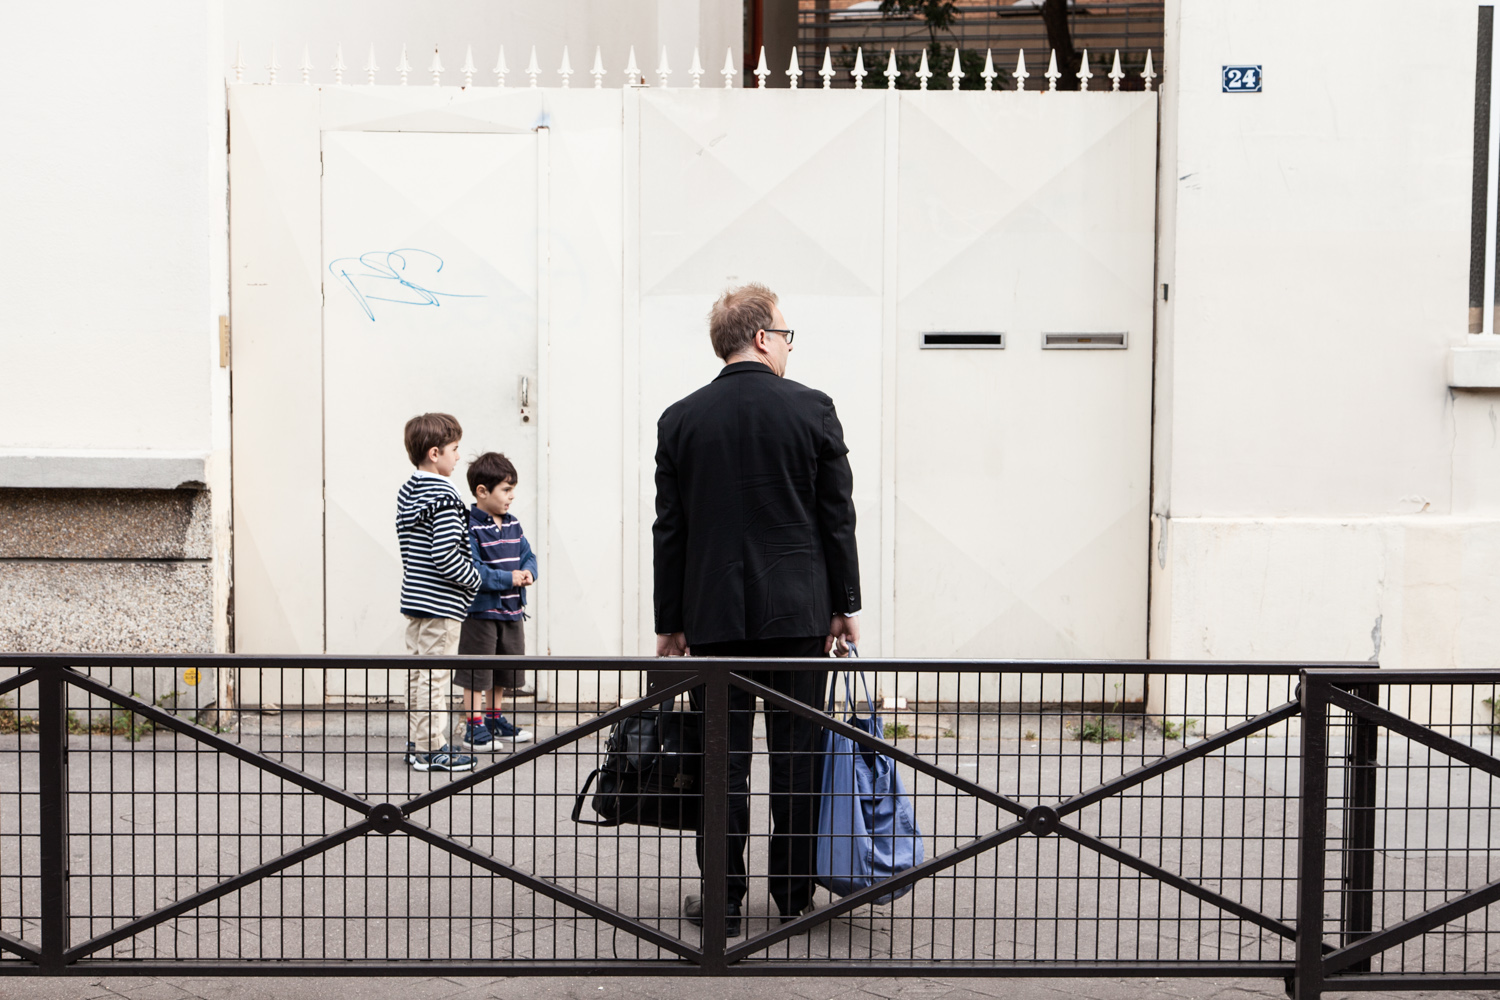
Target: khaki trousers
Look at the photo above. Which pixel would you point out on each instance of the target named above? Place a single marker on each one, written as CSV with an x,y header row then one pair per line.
x,y
429,720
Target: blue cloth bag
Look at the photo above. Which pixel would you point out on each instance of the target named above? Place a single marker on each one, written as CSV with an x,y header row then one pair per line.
x,y
867,829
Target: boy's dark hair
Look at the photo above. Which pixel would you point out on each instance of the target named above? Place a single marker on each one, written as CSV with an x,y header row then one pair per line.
x,y
428,431
490,470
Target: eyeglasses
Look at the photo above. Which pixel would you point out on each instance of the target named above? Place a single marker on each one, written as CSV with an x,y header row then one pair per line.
x,y
788,334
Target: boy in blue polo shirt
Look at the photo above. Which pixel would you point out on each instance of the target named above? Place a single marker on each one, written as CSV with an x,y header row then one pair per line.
x,y
493,626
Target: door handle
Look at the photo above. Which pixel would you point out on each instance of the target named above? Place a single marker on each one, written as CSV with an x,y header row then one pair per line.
x,y
525,400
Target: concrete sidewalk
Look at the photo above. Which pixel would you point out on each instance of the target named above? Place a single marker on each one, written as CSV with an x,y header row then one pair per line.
x,y
647,988
161,817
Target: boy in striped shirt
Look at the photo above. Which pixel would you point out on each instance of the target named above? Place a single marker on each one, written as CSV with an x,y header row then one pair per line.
x,y
493,626
438,581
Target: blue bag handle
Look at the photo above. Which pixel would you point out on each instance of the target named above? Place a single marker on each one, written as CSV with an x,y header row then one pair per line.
x,y
849,690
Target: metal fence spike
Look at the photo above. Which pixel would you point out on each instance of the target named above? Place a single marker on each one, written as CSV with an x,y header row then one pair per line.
x,y
728,71
663,71
403,67
273,67
1021,73
923,72
989,73
436,69
632,71
469,69
370,68
696,70
1052,74
566,69
827,71
239,63
1085,74
762,70
891,72
794,72
533,68
1149,73
306,67
956,74
859,72
338,67
501,69
598,71
1115,75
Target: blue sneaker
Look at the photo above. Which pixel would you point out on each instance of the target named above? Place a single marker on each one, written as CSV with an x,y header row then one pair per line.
x,y
411,753
505,732
443,759
478,738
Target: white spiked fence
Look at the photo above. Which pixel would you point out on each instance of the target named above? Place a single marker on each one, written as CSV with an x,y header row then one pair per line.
x,y
631,76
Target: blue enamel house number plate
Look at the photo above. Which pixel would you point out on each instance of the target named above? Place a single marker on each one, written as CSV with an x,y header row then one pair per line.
x,y
1241,79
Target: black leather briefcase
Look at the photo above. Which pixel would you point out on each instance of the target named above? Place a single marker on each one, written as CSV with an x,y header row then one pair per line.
x,y
652,773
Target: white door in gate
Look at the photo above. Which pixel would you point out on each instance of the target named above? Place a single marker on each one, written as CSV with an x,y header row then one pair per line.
x,y
429,304
1023,473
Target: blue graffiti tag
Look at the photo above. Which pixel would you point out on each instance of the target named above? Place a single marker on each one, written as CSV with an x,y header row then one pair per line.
x,y
389,271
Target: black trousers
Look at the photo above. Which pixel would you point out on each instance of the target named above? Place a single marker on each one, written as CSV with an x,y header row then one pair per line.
x,y
795,746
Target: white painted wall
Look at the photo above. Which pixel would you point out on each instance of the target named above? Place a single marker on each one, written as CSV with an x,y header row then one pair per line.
x,y
112,188
1320,492
254,26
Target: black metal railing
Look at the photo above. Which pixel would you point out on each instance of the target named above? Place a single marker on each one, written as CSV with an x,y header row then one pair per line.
x,y
1399,866
216,815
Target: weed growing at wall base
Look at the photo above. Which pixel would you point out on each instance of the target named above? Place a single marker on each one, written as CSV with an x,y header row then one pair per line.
x,y
119,722
12,721
1177,731
1098,730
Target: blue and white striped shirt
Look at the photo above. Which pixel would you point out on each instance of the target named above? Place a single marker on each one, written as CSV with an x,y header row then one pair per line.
x,y
499,545
438,578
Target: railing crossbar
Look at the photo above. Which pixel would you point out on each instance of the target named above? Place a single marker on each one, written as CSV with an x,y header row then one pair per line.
x,y
1406,930
1177,881
229,748
854,900
864,739
546,746
551,890
20,680
1178,758
1416,733
16,946
175,909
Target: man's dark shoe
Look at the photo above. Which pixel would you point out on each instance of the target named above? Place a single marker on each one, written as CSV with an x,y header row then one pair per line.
x,y
692,908
787,918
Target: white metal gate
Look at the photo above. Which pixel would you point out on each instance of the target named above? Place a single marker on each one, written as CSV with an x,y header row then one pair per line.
x,y
1002,493
429,304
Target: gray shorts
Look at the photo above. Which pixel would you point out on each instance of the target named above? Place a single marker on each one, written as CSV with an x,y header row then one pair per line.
x,y
490,637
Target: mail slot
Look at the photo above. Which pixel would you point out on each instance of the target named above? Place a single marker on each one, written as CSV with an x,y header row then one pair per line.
x,y
1083,341
964,341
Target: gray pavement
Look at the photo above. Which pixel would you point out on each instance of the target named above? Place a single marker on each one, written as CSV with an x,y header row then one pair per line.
x,y
158,818
648,988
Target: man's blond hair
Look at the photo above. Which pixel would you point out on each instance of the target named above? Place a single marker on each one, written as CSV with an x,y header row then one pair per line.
x,y
738,315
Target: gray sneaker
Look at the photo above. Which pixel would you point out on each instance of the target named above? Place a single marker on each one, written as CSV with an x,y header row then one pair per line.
x,y
443,759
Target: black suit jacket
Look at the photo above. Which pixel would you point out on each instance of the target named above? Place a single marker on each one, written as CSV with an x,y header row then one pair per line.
x,y
754,533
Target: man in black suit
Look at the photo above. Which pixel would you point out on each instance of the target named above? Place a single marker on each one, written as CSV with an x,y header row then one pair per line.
x,y
755,557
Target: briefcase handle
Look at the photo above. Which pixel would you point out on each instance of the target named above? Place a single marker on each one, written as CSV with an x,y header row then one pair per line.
x,y
578,803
